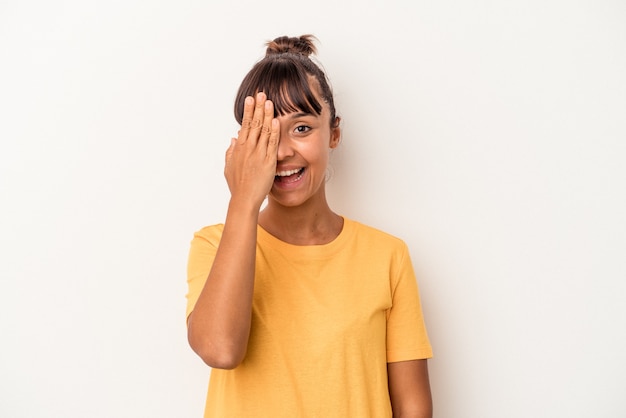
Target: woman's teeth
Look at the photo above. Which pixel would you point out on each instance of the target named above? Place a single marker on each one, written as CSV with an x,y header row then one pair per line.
x,y
289,176
287,173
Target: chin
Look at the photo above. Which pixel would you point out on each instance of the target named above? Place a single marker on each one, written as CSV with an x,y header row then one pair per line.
x,y
287,203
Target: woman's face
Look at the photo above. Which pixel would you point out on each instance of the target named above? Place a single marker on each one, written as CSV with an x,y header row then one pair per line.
x,y
303,152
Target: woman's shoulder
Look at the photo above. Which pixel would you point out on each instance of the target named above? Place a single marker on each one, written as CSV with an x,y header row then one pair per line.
x,y
374,235
211,233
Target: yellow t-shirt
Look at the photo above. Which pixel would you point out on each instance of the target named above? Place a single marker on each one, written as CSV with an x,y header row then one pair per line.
x,y
326,319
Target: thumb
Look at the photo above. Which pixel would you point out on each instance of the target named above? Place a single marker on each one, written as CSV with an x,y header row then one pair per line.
x,y
229,151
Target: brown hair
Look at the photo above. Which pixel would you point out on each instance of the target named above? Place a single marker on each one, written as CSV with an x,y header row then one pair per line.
x,y
284,75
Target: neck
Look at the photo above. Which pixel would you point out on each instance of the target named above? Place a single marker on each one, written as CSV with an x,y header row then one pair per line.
x,y
312,223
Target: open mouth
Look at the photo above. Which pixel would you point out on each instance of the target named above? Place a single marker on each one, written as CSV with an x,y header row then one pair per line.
x,y
289,176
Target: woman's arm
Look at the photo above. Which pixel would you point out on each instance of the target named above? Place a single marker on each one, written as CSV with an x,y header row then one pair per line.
x,y
409,389
219,326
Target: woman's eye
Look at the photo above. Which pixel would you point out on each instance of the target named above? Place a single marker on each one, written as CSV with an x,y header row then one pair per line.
x,y
302,129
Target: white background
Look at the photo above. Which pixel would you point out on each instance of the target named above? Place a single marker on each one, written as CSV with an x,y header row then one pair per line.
x,y
490,136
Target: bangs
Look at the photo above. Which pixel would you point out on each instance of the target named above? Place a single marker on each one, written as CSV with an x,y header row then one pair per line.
x,y
286,85
292,92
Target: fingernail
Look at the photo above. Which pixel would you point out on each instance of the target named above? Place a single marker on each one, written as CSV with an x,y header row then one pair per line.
x,y
249,100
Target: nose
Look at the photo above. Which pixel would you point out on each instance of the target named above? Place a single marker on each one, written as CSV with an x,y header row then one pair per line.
x,y
285,147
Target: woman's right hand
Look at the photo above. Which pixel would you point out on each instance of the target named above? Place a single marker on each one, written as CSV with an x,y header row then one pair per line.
x,y
251,158
219,326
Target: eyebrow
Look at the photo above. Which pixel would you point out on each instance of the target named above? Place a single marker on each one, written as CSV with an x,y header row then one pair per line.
x,y
300,115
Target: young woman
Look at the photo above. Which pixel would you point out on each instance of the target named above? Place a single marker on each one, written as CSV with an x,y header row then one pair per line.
x,y
299,311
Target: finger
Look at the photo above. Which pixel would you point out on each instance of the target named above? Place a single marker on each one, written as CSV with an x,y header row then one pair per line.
x,y
248,112
272,143
266,129
257,117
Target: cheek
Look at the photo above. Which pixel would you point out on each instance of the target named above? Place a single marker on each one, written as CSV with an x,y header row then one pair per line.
x,y
318,153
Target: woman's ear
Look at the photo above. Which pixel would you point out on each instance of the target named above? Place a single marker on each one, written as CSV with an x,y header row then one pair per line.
x,y
335,133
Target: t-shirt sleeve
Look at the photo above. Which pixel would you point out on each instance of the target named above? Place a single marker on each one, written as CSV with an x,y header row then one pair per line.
x,y
201,255
407,338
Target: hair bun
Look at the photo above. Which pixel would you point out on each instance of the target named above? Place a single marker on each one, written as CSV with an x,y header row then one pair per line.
x,y
303,45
